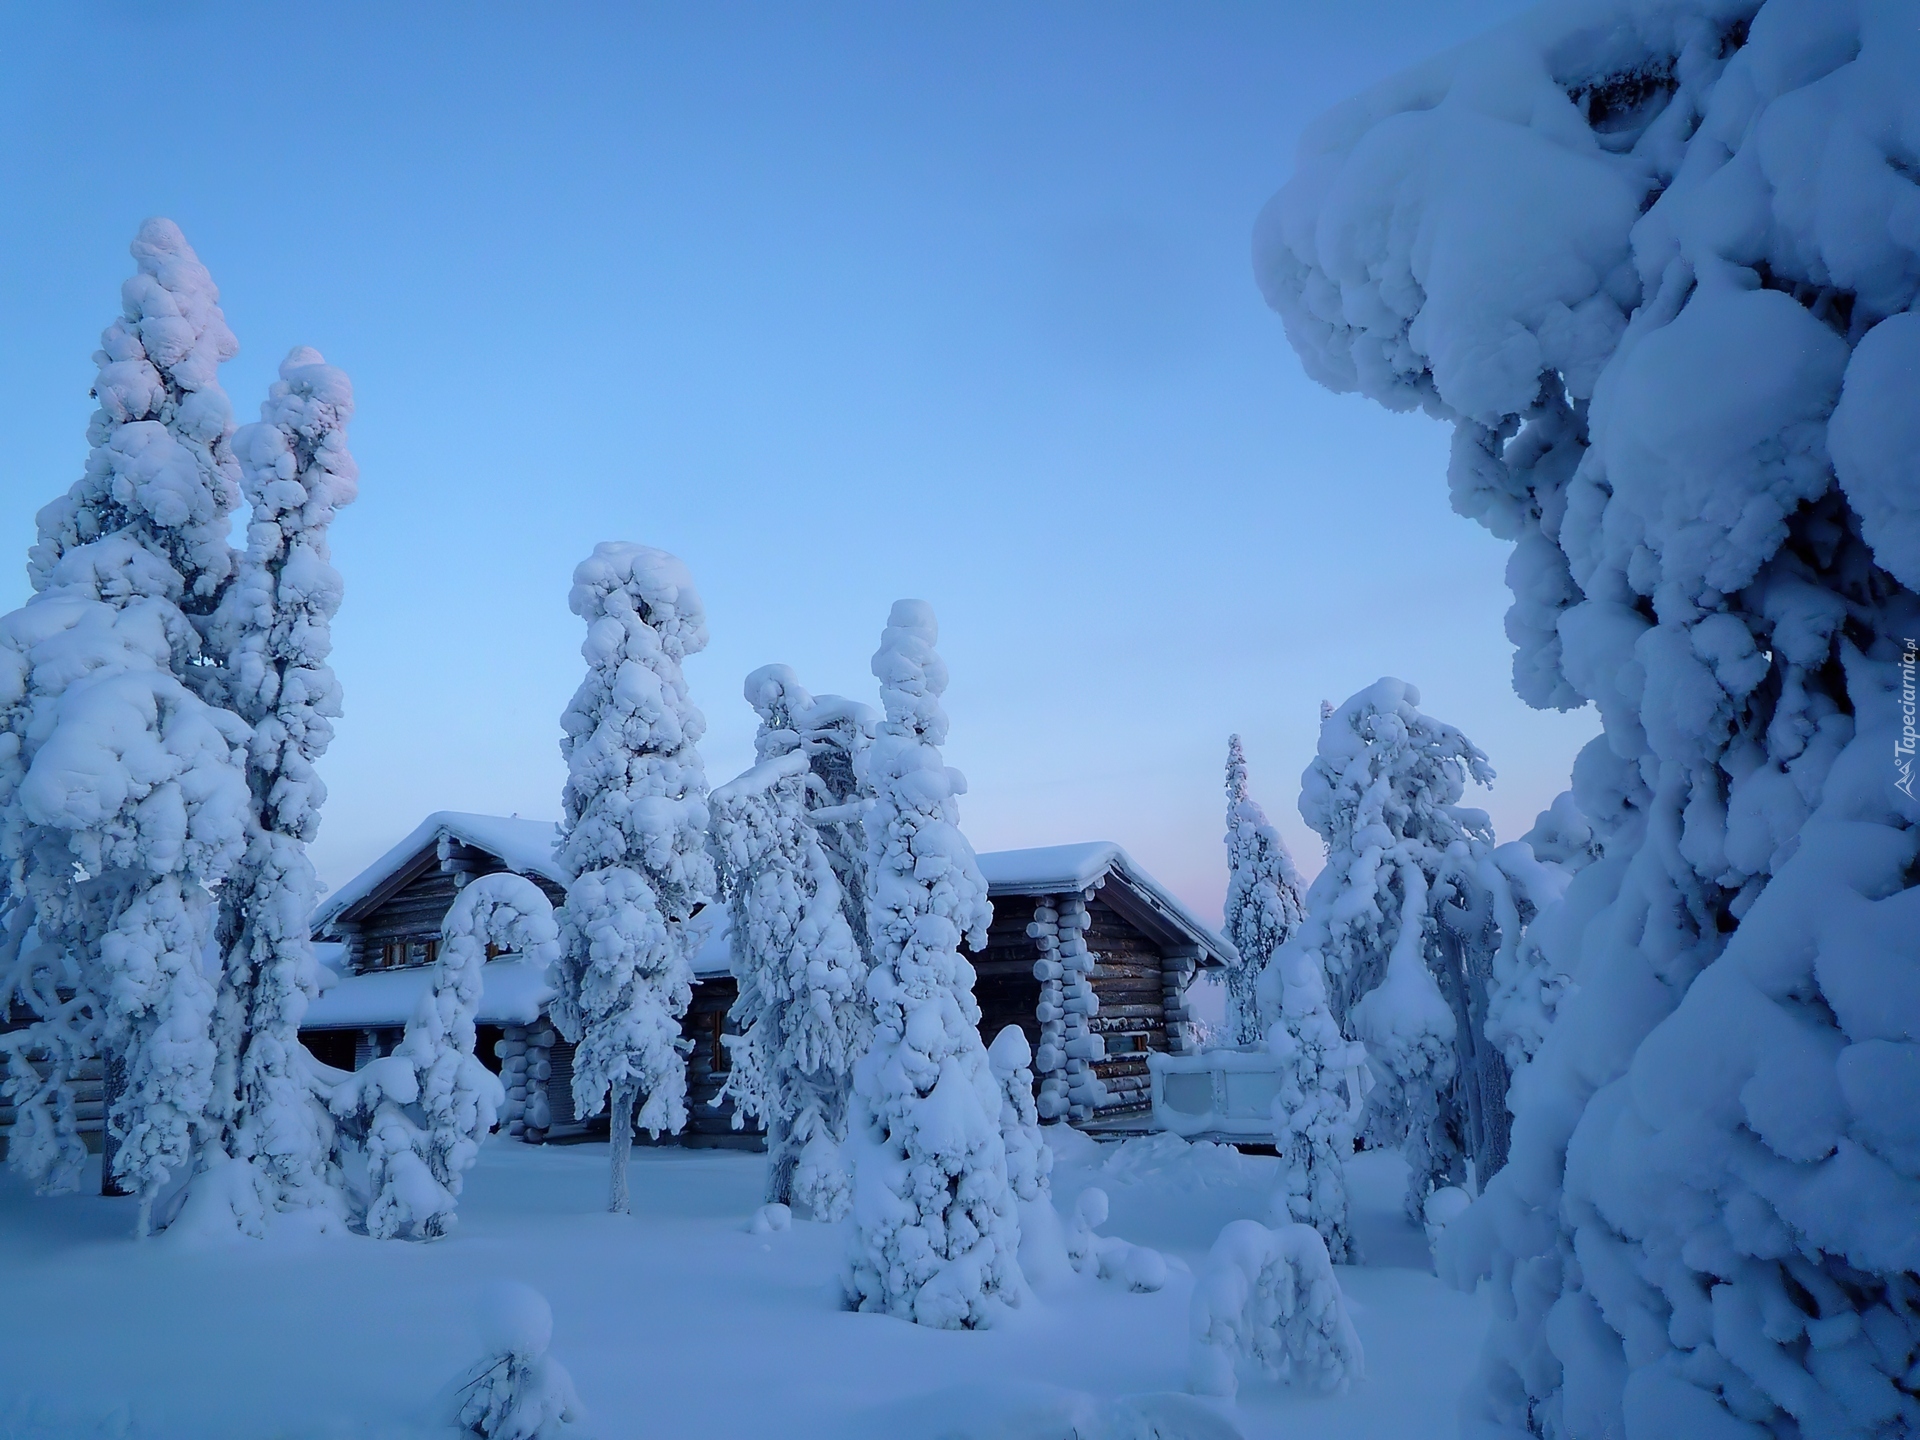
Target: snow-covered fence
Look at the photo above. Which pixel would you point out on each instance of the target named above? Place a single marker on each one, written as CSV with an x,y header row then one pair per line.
x,y
1228,1093
1225,1093
1270,1296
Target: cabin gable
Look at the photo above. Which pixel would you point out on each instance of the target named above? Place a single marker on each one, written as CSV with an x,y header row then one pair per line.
x,y
1145,952
398,923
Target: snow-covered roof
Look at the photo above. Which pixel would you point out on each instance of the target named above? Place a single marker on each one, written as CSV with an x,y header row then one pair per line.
x,y
715,957
524,846
1049,869
1058,869
512,993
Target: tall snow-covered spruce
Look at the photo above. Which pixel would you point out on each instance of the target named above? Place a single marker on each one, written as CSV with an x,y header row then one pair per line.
x,y
123,790
802,1008
1264,904
273,633
936,1234
1398,923
1656,263
634,841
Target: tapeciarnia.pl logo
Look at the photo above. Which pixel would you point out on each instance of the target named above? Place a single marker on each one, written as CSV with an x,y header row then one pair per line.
x,y
1903,747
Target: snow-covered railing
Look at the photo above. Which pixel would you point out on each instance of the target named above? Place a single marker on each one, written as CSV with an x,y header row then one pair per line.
x,y
1217,1092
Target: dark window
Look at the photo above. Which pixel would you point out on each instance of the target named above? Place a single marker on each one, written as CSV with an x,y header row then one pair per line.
x,y
331,1047
485,1037
716,1027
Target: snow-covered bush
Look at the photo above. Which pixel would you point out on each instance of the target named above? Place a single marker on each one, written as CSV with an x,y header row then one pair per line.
x,y
123,792
1264,904
1269,1296
1444,1206
273,633
1029,1158
1140,1269
1401,926
1657,264
1323,1081
634,839
517,1391
424,1109
801,1009
935,1233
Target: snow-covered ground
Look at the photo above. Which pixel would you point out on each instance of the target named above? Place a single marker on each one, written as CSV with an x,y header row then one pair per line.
x,y
677,1321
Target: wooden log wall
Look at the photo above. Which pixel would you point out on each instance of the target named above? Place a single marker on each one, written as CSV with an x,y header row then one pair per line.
x,y
89,1105
705,1020
1003,984
1128,976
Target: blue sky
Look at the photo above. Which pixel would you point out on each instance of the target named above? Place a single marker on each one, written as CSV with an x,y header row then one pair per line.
x,y
839,303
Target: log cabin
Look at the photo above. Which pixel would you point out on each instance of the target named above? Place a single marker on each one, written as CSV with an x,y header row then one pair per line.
x,y
1087,954
379,935
1092,958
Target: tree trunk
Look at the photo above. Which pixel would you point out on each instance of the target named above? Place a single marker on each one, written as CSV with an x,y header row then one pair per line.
x,y
113,1084
620,1125
781,1159
1482,1078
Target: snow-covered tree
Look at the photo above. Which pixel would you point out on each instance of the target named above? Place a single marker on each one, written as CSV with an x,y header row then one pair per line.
x,y
423,1110
634,839
123,794
1406,973
801,1010
834,733
1270,1296
1322,1083
1264,904
1657,264
273,634
935,1234
1029,1157
1527,986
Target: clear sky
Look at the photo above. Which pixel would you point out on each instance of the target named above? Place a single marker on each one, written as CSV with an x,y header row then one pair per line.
x,y
840,303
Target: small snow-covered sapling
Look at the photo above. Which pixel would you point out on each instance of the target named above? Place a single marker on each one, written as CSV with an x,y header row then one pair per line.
x,y
1270,1296
517,1391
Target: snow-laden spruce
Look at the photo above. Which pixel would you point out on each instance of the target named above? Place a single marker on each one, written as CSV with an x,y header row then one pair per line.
x,y
1264,903
1656,263
834,733
1404,924
423,1111
273,634
123,792
1269,1296
1322,1082
935,1231
801,1009
634,839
